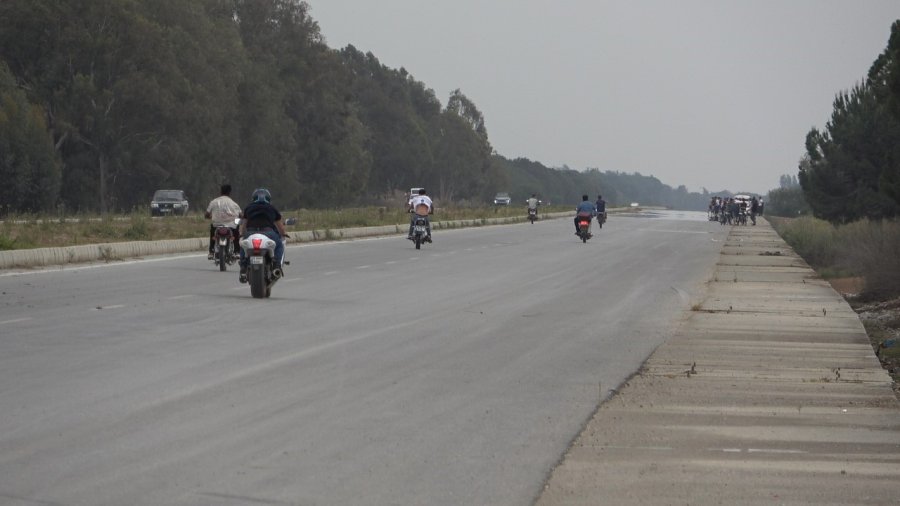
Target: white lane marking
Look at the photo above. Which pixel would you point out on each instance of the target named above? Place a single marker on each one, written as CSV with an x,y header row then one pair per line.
x,y
756,450
176,297
114,306
672,231
17,320
390,262
653,448
773,450
329,273
363,266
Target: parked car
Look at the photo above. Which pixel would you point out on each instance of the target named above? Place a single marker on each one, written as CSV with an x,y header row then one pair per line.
x,y
502,199
168,202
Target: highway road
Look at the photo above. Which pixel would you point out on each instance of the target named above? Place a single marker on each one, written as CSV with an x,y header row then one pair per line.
x,y
375,374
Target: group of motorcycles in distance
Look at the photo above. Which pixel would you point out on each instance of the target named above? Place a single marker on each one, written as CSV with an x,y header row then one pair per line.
x,y
735,210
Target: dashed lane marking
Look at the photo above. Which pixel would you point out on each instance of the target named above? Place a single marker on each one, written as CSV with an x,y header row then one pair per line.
x,y
114,306
17,320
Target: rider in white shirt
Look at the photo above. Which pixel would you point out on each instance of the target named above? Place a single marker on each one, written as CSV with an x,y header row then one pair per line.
x,y
223,211
420,200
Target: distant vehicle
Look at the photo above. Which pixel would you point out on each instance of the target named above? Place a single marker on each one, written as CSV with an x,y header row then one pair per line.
x,y
412,193
168,202
743,200
635,204
502,199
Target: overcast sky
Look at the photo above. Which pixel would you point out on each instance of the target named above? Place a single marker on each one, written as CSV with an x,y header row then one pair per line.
x,y
707,93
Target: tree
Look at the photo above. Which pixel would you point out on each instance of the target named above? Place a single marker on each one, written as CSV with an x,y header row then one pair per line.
x,y
29,165
850,170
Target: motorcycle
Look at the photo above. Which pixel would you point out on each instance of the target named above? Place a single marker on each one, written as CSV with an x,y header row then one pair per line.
x,y
223,252
532,215
601,219
420,231
584,228
262,273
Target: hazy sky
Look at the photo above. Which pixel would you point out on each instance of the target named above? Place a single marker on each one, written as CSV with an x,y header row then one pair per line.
x,y
706,93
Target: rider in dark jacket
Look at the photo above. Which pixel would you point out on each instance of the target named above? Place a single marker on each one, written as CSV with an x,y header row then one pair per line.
x,y
601,209
262,217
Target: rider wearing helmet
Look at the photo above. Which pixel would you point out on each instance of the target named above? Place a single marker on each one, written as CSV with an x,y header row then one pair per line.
x,y
420,200
261,217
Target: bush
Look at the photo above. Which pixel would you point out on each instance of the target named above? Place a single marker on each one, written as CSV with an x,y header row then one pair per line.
x,y
872,248
811,238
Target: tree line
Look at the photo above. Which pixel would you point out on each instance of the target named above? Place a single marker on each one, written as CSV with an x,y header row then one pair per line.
x,y
102,102
851,169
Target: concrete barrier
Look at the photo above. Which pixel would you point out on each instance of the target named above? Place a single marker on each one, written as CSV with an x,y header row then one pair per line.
x,y
108,252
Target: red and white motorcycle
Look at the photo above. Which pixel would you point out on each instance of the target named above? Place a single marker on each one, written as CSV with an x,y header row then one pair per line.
x,y
262,272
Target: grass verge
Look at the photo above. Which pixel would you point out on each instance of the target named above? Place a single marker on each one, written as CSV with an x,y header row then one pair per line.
x,y
45,231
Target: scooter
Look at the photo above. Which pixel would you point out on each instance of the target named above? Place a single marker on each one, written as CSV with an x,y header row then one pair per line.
x,y
532,215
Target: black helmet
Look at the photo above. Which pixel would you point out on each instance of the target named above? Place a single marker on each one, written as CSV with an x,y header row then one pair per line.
x,y
421,191
261,195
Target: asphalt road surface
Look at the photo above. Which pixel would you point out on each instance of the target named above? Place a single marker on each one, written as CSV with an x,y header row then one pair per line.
x,y
375,374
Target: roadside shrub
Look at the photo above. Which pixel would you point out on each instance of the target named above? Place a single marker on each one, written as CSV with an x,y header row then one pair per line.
x,y
872,248
7,243
138,231
812,238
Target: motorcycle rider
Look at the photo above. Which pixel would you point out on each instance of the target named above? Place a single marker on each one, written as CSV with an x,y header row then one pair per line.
x,y
754,209
600,206
420,200
584,210
223,211
533,202
261,217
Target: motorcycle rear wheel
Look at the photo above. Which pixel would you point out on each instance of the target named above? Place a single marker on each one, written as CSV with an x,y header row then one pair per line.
x,y
221,260
418,241
258,283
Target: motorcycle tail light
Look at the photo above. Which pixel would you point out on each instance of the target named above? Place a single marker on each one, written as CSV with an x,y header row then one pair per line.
x,y
583,223
257,243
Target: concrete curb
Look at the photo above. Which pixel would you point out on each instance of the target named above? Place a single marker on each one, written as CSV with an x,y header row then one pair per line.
x,y
107,252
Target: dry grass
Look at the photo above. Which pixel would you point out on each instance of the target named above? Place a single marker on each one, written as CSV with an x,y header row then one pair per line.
x,y
25,232
866,249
